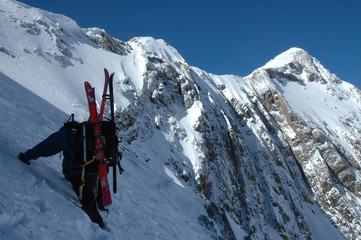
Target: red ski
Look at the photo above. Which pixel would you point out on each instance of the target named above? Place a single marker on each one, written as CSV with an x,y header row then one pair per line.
x,y
104,98
99,154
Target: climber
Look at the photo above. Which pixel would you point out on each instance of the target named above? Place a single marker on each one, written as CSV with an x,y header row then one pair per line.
x,y
67,140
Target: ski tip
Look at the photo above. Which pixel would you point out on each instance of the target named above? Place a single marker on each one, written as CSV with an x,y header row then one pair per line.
x,y
87,84
106,72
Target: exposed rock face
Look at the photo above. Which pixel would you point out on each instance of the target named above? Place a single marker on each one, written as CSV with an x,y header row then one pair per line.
x,y
107,42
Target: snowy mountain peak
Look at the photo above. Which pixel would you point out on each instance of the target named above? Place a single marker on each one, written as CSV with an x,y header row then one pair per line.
x,y
158,49
292,55
275,155
298,65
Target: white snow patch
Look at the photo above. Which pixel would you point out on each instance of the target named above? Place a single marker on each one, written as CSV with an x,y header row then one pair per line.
x,y
173,177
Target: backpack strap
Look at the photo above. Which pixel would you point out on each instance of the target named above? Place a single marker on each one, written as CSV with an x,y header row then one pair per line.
x,y
72,166
82,182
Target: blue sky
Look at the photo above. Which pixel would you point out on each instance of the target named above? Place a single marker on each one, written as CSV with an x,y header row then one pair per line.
x,y
232,36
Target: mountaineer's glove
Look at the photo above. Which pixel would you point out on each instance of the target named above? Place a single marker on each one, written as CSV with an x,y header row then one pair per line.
x,y
22,158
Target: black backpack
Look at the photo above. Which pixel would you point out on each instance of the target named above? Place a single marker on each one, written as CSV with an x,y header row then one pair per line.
x,y
75,132
110,139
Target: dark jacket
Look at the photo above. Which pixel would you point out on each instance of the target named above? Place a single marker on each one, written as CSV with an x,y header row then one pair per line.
x,y
62,140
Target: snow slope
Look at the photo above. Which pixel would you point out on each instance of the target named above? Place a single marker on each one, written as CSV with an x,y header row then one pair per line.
x,y
199,160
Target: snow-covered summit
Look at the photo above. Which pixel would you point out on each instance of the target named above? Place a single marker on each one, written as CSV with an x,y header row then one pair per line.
x,y
299,63
294,54
158,48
